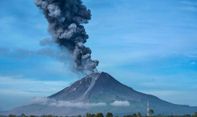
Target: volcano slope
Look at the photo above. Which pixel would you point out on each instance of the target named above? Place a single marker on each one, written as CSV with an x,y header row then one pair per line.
x,y
100,92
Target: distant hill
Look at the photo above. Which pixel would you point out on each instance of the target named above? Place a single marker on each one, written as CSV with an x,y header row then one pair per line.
x,y
100,92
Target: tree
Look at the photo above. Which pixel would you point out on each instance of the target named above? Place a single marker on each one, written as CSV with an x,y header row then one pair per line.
x,y
23,115
93,115
138,114
128,115
99,115
187,115
78,116
109,114
195,114
134,115
88,115
32,116
151,112
12,116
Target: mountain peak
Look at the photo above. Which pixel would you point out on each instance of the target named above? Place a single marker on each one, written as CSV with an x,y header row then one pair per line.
x,y
97,75
92,86
81,88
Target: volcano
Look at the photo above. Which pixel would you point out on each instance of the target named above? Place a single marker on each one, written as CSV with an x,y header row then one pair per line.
x,y
100,92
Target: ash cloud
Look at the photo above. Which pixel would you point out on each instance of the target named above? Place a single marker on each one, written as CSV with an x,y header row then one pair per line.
x,y
66,19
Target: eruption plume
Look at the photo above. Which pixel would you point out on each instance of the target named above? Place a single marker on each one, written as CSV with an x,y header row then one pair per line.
x,y
66,19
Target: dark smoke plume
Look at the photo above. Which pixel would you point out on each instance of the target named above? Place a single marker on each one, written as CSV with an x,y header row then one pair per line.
x,y
65,18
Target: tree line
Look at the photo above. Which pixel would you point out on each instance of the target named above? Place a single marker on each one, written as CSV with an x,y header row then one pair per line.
x,y
102,115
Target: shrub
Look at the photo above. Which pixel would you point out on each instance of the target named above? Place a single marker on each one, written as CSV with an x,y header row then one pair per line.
x,y
99,115
109,114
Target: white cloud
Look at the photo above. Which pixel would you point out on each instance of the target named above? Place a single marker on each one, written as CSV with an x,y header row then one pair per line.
x,y
19,85
17,90
184,97
60,103
120,103
189,5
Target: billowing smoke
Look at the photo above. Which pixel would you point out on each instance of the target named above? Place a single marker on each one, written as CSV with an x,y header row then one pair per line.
x,y
66,19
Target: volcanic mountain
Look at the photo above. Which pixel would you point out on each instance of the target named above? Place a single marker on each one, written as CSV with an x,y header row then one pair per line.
x,y
100,92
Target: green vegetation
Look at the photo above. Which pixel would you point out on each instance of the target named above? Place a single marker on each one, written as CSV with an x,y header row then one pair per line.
x,y
99,115
109,114
90,115
2,116
151,112
195,114
134,115
11,115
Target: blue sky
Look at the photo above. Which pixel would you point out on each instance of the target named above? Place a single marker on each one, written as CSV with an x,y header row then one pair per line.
x,y
149,45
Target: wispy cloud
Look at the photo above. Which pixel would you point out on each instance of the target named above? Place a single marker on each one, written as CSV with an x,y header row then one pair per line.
x,y
120,103
183,97
52,52
62,103
59,103
17,90
29,87
189,5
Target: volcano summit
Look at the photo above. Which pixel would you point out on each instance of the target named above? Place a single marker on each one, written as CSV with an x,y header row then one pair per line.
x,y
100,92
